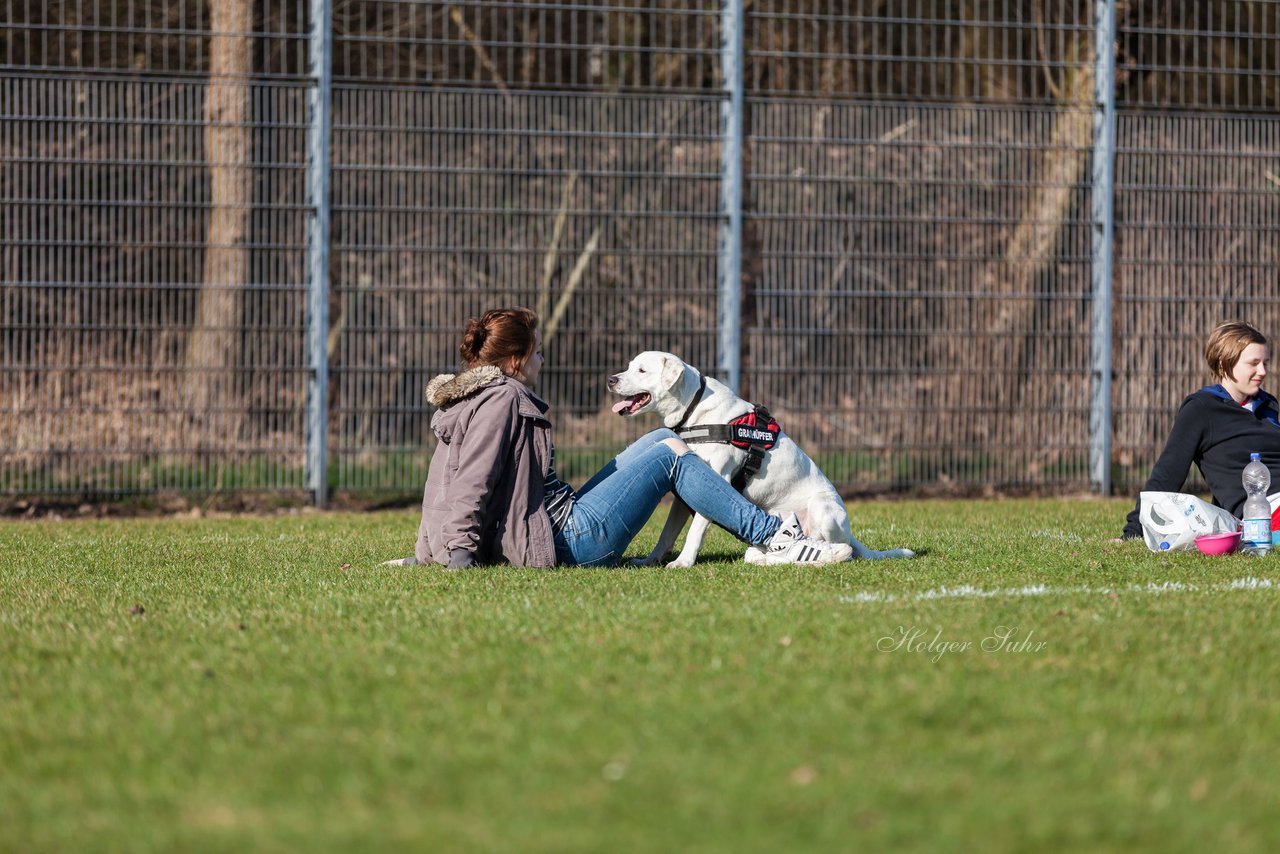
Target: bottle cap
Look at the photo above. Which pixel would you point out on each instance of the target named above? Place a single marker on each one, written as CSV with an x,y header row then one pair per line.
x,y
1255,456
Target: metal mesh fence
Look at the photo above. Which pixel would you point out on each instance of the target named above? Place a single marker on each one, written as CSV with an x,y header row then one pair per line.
x,y
1197,205
916,291
447,203
922,277
637,45
153,38
999,51
151,333
1214,56
1197,229
921,308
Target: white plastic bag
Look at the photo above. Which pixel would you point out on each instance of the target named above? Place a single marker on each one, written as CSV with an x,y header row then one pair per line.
x,y
1171,521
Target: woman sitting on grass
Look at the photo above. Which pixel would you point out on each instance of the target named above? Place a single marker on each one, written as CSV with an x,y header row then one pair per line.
x,y
1220,425
493,496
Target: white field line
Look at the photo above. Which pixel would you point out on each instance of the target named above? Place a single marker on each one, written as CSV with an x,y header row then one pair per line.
x,y
967,591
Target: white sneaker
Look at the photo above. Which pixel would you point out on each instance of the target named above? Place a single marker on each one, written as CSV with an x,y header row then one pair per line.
x,y
790,545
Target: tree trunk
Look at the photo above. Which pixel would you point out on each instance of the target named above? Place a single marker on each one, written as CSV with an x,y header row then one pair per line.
x,y
1029,252
211,348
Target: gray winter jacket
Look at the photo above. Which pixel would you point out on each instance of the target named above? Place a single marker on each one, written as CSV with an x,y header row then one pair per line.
x,y
484,491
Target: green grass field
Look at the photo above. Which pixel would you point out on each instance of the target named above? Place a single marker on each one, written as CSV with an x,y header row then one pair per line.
x,y
264,684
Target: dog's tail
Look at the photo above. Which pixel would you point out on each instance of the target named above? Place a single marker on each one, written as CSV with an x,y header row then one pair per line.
x,y
861,552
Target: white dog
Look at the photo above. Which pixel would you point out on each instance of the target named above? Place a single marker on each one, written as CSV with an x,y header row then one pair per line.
x,y
787,480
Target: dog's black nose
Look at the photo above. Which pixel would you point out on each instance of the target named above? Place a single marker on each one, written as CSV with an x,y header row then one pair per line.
x,y
613,381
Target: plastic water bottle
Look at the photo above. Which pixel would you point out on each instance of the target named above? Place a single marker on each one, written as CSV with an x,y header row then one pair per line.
x,y
1256,539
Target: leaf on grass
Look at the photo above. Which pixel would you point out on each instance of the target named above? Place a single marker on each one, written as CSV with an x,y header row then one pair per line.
x,y
803,775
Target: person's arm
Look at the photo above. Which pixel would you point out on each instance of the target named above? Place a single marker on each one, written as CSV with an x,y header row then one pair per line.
x,y
1171,469
482,456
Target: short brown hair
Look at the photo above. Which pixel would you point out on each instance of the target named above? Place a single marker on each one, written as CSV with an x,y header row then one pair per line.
x,y
1227,341
499,336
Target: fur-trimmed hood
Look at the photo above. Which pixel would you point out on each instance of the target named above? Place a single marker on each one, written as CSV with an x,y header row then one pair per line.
x,y
485,491
447,389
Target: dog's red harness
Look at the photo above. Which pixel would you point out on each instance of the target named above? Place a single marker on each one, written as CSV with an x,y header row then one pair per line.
x,y
755,432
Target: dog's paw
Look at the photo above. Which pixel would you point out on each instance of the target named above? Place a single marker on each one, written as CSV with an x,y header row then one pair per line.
x,y
650,560
401,561
679,563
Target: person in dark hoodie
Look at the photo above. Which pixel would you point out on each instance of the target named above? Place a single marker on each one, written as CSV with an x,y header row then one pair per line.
x,y
1221,424
492,494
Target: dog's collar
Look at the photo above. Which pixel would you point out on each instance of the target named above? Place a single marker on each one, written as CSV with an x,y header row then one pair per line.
x,y
697,398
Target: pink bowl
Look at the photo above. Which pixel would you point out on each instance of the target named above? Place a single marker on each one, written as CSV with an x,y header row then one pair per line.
x,y
1218,544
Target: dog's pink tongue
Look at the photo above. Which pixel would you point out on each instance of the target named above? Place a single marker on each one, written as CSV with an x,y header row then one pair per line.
x,y
622,405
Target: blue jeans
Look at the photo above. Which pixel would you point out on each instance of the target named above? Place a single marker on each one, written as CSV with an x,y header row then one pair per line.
x,y
615,504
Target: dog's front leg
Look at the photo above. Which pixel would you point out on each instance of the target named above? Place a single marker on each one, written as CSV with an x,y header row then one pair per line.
x,y
676,520
692,542
724,463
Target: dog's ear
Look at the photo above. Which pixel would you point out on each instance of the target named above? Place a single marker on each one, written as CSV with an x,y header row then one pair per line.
x,y
672,371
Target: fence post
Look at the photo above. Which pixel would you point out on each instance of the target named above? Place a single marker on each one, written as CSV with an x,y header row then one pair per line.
x,y
1103,226
729,312
318,105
